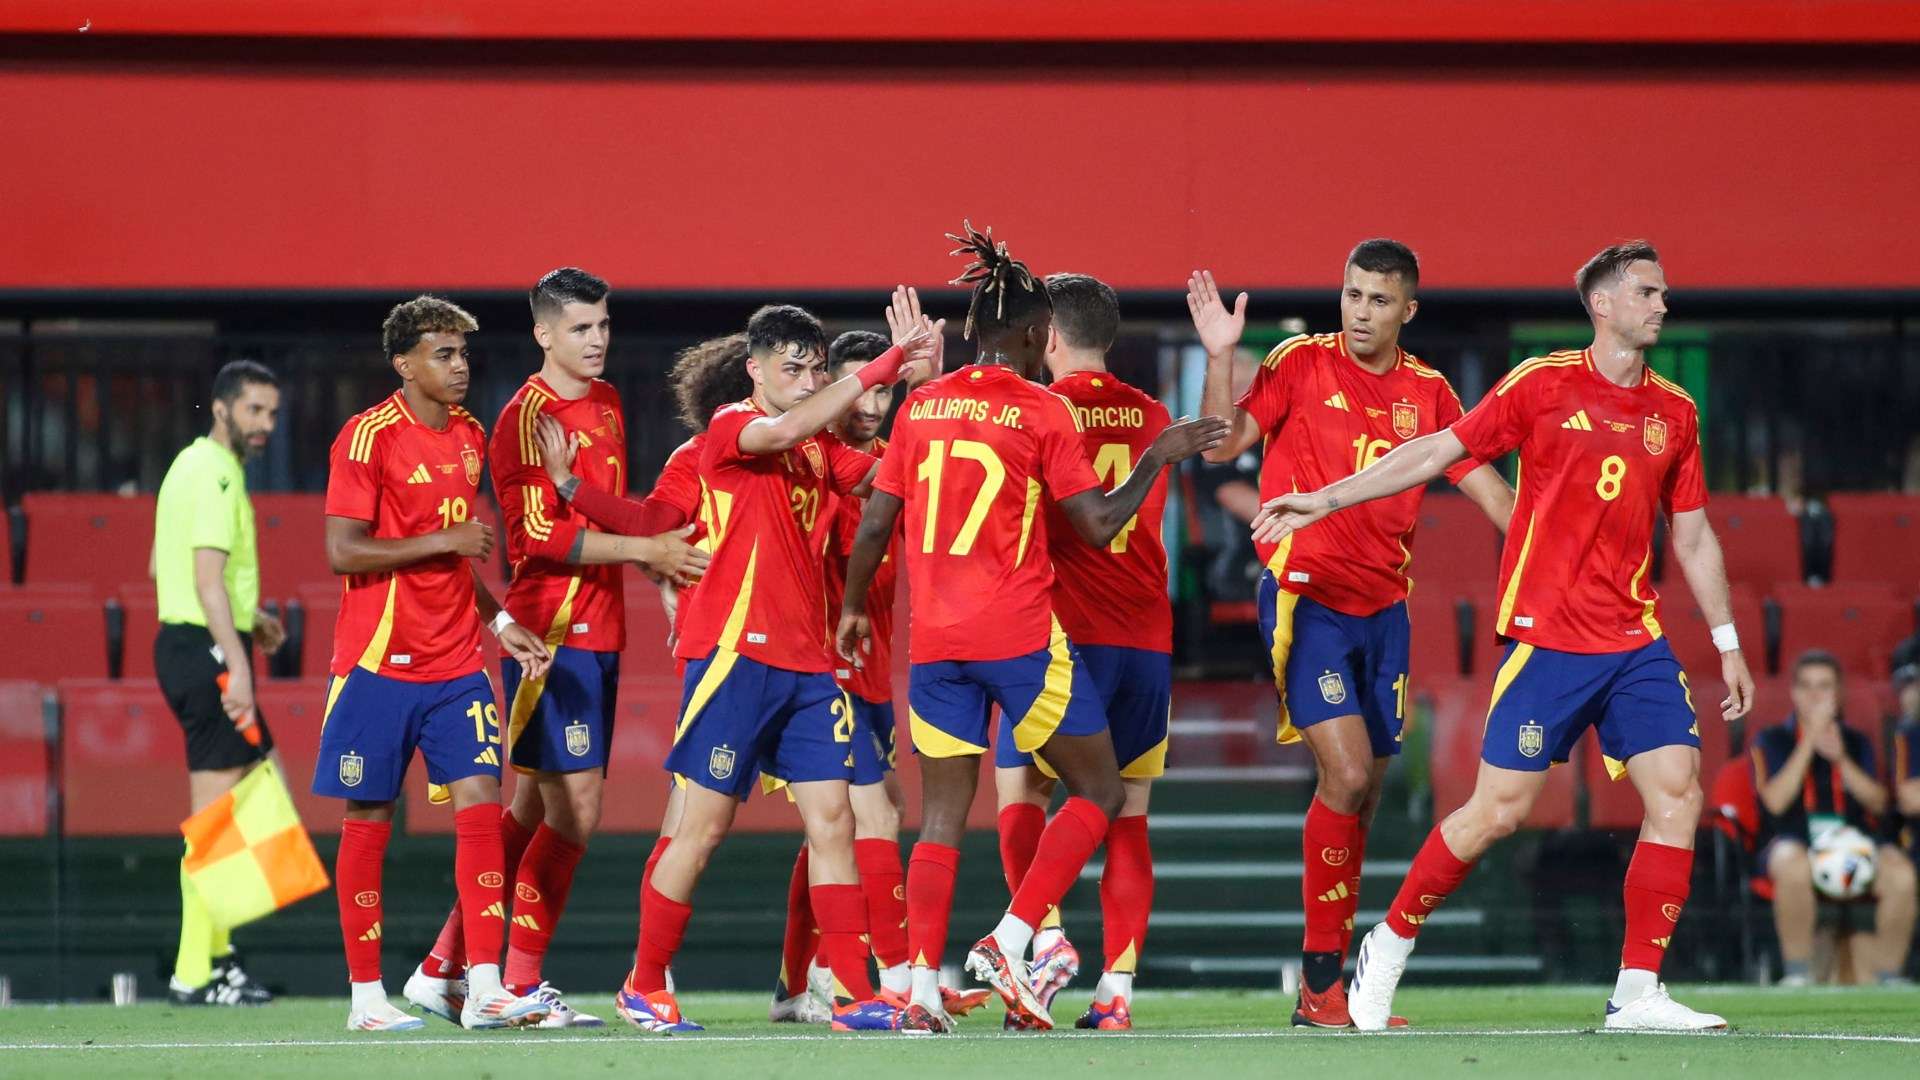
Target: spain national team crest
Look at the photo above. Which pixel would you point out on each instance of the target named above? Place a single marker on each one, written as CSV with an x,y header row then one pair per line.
x,y
612,418
720,763
1406,419
815,458
1533,739
578,741
353,769
471,459
1653,435
1333,688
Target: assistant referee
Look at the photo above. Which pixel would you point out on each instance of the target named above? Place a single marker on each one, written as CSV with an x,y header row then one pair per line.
x,y
206,573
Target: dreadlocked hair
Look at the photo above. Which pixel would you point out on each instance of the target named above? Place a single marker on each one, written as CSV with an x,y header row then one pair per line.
x,y
709,375
994,274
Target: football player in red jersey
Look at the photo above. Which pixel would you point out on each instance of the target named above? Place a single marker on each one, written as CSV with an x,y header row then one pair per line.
x,y
759,690
407,672
972,455
1332,603
1112,603
567,583
1606,446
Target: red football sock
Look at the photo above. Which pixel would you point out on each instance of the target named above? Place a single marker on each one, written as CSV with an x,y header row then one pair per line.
x,y
1435,873
1126,892
1020,825
1353,901
1328,843
1070,838
356,884
798,946
448,960
663,923
930,874
883,882
479,870
653,860
842,913
1658,880
540,891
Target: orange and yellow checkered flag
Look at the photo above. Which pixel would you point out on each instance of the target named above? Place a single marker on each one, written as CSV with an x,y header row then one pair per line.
x,y
247,853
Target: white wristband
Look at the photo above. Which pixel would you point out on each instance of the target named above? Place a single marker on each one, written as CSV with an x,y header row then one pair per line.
x,y
504,620
1725,639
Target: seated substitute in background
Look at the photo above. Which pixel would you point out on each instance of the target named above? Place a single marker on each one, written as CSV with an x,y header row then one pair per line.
x,y
1813,771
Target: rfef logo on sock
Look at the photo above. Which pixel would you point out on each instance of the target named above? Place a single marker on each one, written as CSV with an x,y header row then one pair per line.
x,y
1671,911
367,898
491,880
527,892
1333,856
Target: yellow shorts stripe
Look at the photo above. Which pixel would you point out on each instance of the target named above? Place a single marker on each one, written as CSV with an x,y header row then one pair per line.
x,y
930,741
526,698
1056,693
709,685
1509,671
1283,604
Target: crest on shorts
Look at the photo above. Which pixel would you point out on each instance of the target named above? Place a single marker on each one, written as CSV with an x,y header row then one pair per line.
x,y
1406,419
1533,739
720,763
577,740
471,459
353,769
815,458
1333,688
1653,435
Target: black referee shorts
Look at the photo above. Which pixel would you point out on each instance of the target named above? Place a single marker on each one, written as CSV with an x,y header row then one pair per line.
x,y
183,656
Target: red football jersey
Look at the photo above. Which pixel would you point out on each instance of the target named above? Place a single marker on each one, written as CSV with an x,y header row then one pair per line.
x,y
1598,462
763,595
417,623
1113,595
973,453
679,484
872,681
582,607
1324,417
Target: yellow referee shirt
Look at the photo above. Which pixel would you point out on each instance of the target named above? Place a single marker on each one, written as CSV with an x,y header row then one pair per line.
x,y
203,504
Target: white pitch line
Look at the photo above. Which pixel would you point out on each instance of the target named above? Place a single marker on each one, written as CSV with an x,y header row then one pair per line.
x,y
691,1040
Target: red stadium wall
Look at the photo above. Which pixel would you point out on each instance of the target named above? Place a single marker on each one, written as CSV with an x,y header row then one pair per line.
x,y
167,163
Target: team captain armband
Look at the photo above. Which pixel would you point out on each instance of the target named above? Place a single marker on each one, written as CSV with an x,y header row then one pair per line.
x,y
884,368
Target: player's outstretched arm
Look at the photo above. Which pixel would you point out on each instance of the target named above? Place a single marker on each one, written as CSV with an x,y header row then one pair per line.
x,y
517,641
1220,329
1698,550
914,336
1410,464
1491,493
650,516
1098,516
869,547
350,550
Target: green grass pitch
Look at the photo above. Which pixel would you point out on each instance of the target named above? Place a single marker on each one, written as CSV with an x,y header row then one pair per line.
x,y
1481,1032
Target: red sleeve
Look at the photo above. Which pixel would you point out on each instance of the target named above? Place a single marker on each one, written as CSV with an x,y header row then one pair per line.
x,y
1686,484
628,517
1064,467
1446,411
892,477
1501,420
846,467
679,482
529,505
1269,397
723,433
353,476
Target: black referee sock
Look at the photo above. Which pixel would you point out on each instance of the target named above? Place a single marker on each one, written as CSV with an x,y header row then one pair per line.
x,y
1320,970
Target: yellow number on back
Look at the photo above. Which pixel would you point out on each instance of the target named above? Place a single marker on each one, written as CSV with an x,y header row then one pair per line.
x,y
934,466
1114,463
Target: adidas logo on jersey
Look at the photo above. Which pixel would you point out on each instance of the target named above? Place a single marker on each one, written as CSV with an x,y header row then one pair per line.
x,y
420,475
487,757
1339,401
1577,422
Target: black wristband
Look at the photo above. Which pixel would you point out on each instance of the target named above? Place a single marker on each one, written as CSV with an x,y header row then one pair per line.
x,y
567,489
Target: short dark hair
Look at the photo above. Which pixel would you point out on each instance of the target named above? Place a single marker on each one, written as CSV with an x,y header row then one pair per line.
x,y
567,285
410,320
1391,257
709,375
236,375
1005,292
1085,310
778,326
1609,266
1816,658
856,346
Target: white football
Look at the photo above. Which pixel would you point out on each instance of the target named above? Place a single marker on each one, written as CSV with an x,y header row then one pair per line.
x,y
1842,863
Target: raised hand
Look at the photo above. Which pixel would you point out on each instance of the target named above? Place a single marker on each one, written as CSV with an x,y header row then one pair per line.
x,y
1219,328
526,647
1186,437
557,449
1288,514
469,539
851,638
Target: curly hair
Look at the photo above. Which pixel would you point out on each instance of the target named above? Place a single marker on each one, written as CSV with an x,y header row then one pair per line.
x,y
994,274
709,375
423,315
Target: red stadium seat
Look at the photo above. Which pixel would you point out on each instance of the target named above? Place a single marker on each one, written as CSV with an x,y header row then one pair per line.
x,y
52,632
1876,538
322,606
142,624
23,759
1691,638
292,533
1759,537
1859,624
1436,637
1456,550
125,759
98,539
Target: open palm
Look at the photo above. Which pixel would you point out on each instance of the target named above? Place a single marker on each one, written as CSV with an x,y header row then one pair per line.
x,y
1219,327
